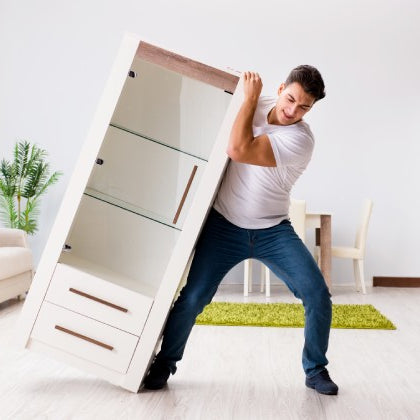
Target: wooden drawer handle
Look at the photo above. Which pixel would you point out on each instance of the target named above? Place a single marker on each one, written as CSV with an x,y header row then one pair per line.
x,y
83,337
104,302
184,196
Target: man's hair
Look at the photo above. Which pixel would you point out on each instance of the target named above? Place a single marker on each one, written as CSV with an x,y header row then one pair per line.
x,y
309,78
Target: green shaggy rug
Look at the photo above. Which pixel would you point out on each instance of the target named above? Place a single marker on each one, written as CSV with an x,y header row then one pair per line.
x,y
290,315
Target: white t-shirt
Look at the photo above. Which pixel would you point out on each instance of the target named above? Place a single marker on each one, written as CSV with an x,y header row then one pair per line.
x,y
258,197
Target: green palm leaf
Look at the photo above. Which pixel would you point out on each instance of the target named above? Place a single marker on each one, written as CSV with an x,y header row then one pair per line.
x,y
28,218
22,182
8,213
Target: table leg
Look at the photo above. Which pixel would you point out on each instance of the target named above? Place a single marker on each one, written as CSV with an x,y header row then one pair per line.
x,y
325,248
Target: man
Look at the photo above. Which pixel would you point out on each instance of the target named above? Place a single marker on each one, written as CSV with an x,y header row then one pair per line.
x,y
269,146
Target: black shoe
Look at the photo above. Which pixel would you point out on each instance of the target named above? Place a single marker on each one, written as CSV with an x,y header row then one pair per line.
x,y
157,376
322,383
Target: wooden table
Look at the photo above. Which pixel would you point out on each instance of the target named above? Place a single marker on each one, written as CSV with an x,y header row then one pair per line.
x,y
321,221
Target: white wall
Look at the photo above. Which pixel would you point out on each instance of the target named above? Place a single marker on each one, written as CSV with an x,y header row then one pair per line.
x,y
55,57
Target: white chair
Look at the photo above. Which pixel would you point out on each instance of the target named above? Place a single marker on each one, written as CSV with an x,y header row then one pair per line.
x,y
297,214
16,264
356,253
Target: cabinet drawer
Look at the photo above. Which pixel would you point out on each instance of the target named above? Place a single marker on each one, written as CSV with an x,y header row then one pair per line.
x,y
102,300
84,337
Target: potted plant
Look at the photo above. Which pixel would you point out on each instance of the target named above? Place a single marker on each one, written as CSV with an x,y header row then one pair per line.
x,y
22,182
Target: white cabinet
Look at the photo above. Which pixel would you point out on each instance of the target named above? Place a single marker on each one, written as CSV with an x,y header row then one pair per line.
x,y
134,207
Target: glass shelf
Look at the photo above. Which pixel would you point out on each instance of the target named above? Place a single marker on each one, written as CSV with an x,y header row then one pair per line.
x,y
162,143
130,207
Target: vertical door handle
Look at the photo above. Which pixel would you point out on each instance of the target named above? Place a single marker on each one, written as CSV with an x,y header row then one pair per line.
x,y
184,196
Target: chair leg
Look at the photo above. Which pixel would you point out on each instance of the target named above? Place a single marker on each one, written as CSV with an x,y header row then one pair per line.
x,y
267,282
362,275
247,276
356,275
359,275
262,277
251,264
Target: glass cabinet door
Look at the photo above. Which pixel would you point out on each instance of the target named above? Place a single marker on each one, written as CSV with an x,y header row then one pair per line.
x,y
168,107
148,178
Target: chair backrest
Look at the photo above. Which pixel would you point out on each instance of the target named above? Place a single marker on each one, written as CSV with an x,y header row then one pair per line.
x,y
361,233
297,214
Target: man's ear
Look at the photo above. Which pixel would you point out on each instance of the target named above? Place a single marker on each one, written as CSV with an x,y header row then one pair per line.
x,y
281,88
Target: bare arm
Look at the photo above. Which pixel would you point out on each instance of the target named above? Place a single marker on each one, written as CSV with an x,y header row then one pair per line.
x,y
243,147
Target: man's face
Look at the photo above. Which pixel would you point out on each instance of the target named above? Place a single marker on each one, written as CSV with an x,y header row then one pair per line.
x,y
292,104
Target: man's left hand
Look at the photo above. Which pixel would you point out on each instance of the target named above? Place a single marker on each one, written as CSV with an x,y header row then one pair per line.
x,y
252,86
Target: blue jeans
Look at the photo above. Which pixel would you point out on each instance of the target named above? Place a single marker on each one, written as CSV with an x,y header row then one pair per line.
x,y
220,247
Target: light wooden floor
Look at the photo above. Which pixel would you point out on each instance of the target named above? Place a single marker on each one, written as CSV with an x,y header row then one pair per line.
x,y
236,372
